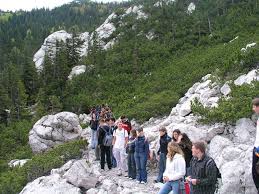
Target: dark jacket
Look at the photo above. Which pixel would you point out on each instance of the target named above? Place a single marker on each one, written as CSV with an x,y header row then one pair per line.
x,y
205,170
101,133
131,145
164,140
187,154
141,145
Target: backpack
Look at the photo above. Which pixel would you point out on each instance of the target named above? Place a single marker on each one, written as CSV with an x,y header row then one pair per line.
x,y
218,172
107,140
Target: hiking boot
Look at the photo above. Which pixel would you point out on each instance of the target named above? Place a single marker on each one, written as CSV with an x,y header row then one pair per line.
x,y
143,182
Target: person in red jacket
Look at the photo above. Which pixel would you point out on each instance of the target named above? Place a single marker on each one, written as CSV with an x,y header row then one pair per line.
x,y
126,124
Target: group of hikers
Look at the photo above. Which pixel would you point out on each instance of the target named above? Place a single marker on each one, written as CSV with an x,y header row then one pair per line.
x,y
183,166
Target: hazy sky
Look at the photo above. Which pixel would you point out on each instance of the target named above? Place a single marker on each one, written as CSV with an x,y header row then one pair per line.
x,y
30,4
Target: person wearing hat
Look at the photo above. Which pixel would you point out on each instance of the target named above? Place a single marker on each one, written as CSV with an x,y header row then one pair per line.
x,y
255,163
141,156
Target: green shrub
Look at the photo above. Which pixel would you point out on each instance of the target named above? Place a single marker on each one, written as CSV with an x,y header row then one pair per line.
x,y
13,180
230,110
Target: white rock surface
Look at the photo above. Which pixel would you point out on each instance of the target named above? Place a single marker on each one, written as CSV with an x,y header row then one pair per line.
x,y
225,89
16,162
247,78
49,46
50,185
138,11
77,70
191,8
248,46
52,130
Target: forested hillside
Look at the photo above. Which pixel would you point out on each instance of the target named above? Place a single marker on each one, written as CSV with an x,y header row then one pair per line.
x,y
150,67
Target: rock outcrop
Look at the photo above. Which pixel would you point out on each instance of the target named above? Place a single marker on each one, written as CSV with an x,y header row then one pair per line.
x,y
52,130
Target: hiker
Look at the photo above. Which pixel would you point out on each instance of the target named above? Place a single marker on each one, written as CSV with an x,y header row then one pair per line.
x,y
175,170
255,162
130,150
162,152
175,135
120,140
141,155
113,128
105,143
186,145
93,126
126,123
203,171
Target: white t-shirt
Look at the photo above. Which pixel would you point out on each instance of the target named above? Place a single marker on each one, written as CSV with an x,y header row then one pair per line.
x,y
120,136
257,135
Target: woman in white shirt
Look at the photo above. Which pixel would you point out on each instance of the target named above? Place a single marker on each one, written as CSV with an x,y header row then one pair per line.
x,y
175,169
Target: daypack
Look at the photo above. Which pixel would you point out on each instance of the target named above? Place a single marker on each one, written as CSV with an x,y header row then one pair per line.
x,y
218,172
107,140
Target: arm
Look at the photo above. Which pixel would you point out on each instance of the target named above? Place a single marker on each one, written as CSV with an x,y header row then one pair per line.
x,y
179,165
114,137
126,137
146,147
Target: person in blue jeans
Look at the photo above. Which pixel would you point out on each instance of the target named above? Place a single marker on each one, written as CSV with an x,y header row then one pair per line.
x,y
141,156
162,152
130,150
175,169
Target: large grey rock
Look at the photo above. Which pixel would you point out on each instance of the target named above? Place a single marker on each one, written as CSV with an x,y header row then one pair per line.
x,y
244,131
49,185
79,175
53,130
225,89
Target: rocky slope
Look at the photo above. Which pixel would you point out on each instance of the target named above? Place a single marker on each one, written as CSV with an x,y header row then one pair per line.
x,y
229,145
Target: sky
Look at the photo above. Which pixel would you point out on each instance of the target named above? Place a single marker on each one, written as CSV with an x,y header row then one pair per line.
x,y
13,5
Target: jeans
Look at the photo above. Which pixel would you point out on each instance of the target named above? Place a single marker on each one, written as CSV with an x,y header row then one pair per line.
x,y
114,163
97,153
254,173
94,140
131,166
120,156
141,163
106,153
161,165
170,186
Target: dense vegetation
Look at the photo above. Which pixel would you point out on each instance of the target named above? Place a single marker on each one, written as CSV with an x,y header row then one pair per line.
x,y
137,77
13,180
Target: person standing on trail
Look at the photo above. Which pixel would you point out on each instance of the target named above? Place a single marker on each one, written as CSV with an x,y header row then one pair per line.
x,y
141,156
105,143
120,140
255,161
162,152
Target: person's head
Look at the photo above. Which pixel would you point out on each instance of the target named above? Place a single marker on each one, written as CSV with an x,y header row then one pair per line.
x,y
162,131
133,133
107,121
101,122
112,121
185,140
173,148
123,118
255,103
140,132
176,134
198,149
